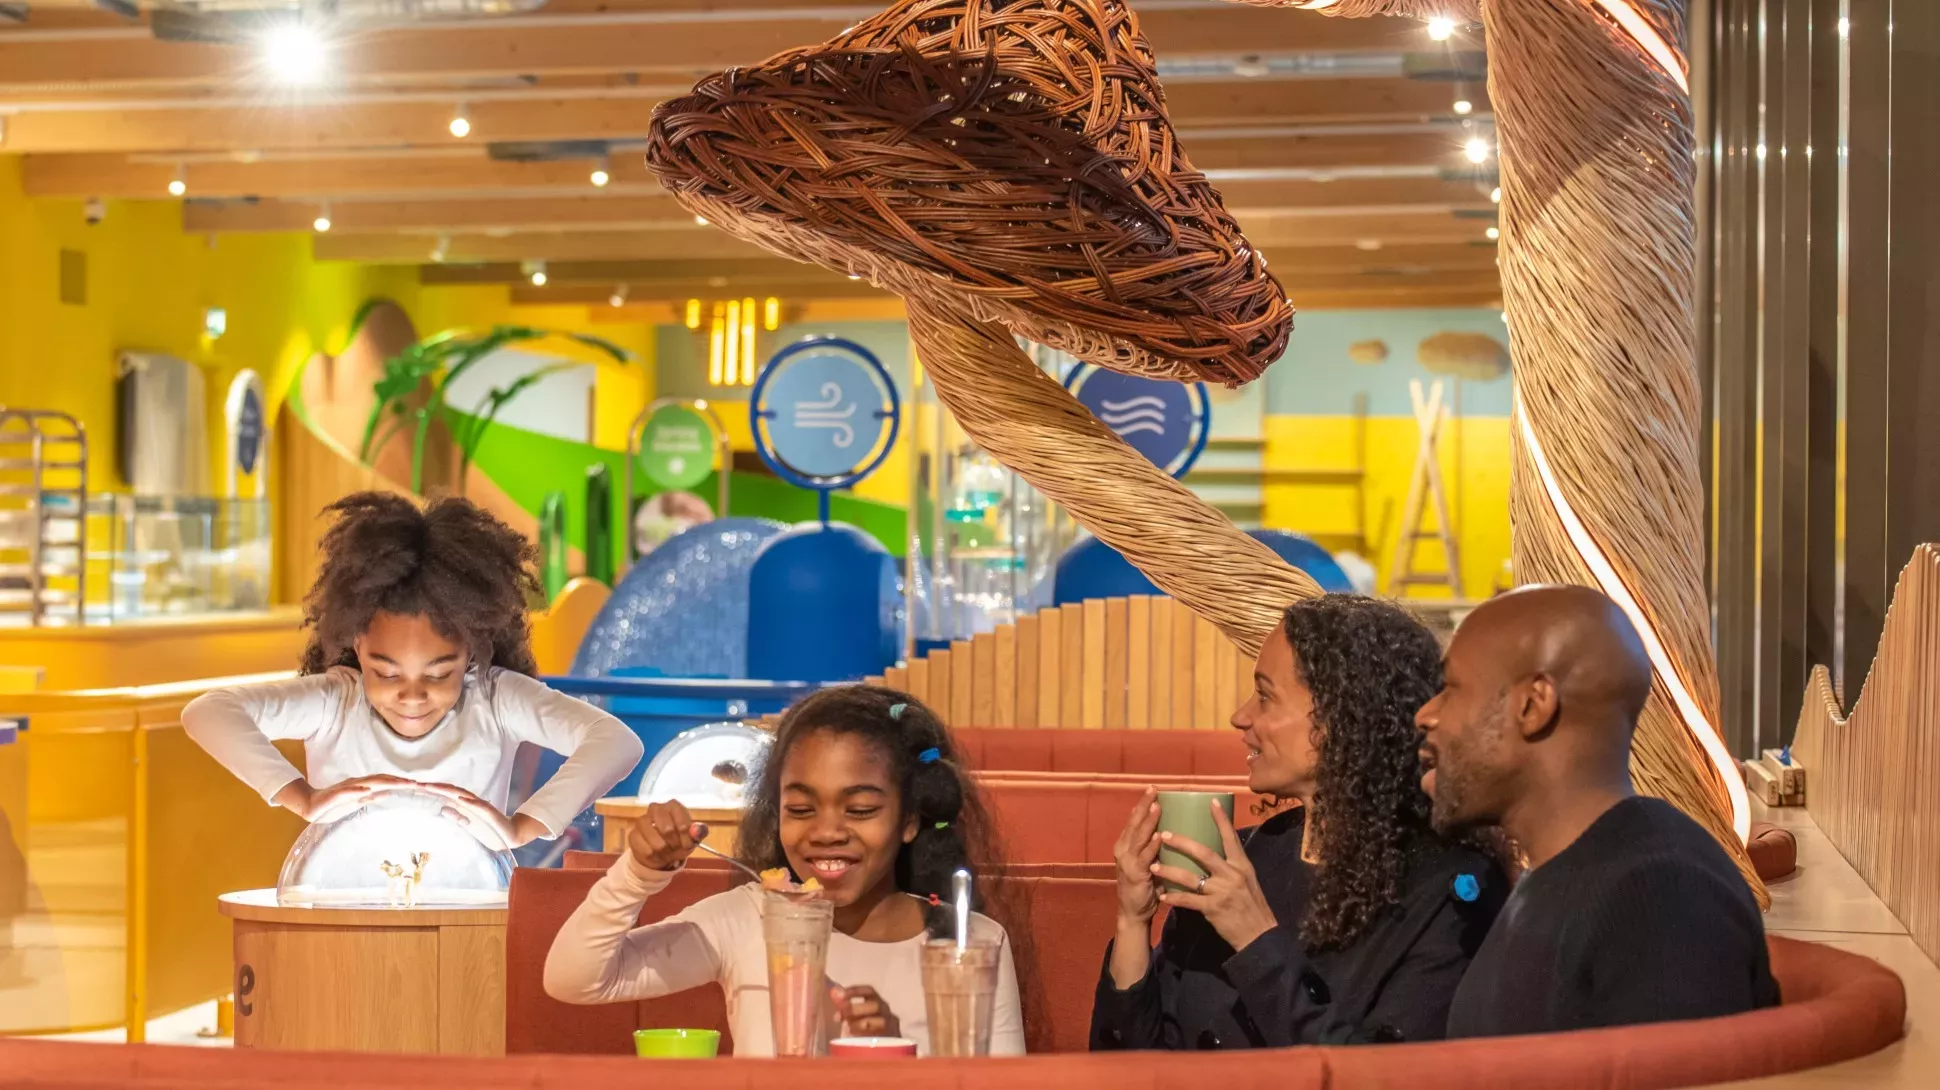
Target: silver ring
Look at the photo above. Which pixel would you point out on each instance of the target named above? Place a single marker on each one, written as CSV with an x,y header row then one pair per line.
x,y
1201,888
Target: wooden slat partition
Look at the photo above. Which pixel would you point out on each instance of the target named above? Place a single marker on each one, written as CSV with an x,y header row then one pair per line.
x,y
1143,663
1870,775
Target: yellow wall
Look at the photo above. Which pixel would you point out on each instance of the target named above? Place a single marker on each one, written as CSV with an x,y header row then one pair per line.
x,y
1475,472
147,287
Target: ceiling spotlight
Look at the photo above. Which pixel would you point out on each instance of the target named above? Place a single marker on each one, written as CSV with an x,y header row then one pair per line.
x,y
322,222
441,248
178,185
1441,29
1493,233
461,122
618,298
601,174
537,274
1464,107
1495,195
1477,150
293,53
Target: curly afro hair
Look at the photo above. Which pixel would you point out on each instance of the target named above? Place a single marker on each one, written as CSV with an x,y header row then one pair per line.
x,y
450,561
1370,666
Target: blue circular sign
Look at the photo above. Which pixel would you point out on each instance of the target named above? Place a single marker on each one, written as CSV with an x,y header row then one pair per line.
x,y
1168,422
249,431
824,413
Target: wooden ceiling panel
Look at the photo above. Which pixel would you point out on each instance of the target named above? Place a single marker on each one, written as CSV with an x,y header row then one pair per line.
x,y
614,114
693,38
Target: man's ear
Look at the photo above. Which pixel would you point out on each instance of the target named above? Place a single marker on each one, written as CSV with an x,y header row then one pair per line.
x,y
1534,704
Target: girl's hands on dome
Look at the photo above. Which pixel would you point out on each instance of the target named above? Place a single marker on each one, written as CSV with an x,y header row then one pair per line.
x,y
483,820
323,804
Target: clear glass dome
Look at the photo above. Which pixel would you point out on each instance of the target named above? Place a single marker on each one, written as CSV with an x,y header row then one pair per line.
x,y
399,850
708,768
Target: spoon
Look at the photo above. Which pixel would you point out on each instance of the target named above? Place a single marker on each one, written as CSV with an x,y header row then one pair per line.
x,y
699,832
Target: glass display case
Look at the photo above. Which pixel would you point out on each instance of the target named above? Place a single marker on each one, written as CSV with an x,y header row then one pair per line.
x,y
982,540
166,556
402,849
707,768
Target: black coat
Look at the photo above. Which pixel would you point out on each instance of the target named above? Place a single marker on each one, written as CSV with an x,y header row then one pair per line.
x,y
1393,984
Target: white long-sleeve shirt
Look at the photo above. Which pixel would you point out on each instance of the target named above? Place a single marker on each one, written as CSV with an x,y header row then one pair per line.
x,y
472,747
600,957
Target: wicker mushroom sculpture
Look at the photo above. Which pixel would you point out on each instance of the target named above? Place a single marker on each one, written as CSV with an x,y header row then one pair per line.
x,y
1009,169
1598,254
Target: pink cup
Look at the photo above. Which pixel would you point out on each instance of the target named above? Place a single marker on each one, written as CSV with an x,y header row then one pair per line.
x,y
872,1048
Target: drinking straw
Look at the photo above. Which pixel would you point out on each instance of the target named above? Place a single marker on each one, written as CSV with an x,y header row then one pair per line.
x,y
962,881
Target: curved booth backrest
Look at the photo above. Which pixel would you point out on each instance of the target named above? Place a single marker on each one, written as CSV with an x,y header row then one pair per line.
x,y
823,605
1839,1006
682,609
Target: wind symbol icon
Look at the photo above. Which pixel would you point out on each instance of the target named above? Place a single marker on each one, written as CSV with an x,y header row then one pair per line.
x,y
828,413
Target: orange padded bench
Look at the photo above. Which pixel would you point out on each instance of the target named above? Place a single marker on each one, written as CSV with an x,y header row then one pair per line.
x,y
1170,753
1059,976
1839,1006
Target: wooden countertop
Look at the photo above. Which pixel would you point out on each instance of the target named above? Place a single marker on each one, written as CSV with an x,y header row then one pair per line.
x,y
260,906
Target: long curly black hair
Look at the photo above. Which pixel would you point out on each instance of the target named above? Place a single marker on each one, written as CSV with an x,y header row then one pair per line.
x,y
1370,666
450,561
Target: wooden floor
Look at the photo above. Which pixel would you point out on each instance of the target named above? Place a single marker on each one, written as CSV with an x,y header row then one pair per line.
x,y
1825,901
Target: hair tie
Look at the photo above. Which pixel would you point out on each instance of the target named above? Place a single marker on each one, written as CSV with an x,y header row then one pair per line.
x,y
929,756
896,710
935,901
942,825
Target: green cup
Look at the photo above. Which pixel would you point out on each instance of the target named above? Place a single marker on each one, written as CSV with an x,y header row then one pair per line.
x,y
676,1044
1189,814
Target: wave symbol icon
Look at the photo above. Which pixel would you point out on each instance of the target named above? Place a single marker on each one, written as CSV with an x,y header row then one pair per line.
x,y
1135,415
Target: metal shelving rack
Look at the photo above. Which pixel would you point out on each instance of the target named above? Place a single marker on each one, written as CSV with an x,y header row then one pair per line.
x,y
43,516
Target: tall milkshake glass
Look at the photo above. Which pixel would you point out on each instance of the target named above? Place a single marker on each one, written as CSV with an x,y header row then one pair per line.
x,y
797,932
960,993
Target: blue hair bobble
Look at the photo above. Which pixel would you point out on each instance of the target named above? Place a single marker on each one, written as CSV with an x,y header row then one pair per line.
x,y
1467,887
896,710
929,756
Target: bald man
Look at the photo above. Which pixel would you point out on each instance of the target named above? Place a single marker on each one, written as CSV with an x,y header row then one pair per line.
x,y
1628,911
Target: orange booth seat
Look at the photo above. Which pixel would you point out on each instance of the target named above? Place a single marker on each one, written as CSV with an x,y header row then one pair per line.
x,y
1839,1006
1079,911
1171,753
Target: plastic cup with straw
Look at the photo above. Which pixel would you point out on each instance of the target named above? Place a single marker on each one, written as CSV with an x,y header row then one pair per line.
x,y
960,982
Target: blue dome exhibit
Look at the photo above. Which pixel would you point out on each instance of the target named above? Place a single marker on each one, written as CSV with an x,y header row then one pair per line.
x,y
682,609
825,603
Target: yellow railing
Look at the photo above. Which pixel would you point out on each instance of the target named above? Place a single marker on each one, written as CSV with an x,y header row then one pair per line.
x,y
121,840
117,833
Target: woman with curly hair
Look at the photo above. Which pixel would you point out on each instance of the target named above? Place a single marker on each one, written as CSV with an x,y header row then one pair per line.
x,y
419,672
1342,919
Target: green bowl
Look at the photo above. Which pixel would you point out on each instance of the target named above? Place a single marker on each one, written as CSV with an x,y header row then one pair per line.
x,y
676,1044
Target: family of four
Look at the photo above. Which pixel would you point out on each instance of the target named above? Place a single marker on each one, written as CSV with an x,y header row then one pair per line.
x,y
1376,905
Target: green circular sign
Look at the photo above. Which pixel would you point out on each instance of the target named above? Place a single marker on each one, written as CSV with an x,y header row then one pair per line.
x,y
677,447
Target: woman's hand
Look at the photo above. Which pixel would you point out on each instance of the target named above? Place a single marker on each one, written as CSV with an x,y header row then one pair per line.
x,y
1134,853
1229,895
492,827
663,837
863,1013
1138,896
